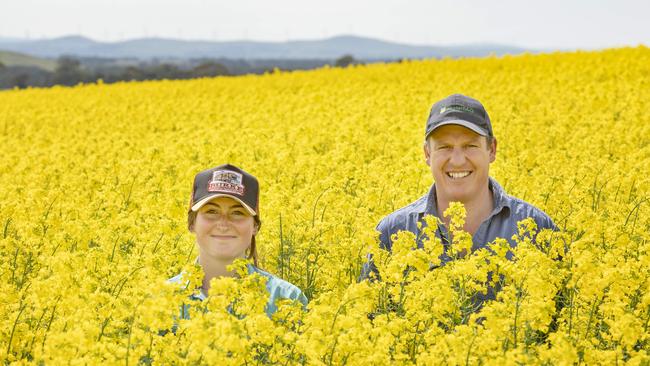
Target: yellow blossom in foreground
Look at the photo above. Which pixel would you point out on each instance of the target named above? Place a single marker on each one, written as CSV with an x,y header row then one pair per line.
x,y
94,183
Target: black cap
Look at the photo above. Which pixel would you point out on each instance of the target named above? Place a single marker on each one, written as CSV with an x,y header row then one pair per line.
x,y
458,109
225,181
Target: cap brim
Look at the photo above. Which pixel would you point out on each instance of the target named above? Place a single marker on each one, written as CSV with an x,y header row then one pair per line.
x,y
460,122
206,199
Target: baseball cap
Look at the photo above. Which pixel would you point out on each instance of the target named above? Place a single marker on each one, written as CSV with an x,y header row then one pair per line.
x,y
225,181
458,109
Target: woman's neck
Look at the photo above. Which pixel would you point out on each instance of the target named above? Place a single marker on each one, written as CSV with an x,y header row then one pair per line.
x,y
214,268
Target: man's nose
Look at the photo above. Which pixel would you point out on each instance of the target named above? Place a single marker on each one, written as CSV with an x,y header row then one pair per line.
x,y
457,156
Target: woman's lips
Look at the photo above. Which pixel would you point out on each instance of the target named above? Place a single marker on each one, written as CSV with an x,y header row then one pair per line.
x,y
223,237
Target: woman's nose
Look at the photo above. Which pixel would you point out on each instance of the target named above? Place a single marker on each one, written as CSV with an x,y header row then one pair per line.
x,y
222,220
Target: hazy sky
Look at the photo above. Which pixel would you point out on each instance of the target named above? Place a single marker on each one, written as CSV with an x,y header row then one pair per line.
x,y
546,24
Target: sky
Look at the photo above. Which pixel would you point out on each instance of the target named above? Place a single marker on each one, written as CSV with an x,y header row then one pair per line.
x,y
542,24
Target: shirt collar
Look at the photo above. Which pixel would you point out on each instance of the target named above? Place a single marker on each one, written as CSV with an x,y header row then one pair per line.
x,y
201,295
501,199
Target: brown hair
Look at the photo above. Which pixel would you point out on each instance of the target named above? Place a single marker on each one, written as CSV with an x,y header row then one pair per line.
x,y
252,249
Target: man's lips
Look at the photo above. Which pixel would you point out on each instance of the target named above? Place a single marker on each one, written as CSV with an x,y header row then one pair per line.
x,y
458,174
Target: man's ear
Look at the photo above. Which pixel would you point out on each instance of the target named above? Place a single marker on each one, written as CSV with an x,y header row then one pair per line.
x,y
493,150
427,155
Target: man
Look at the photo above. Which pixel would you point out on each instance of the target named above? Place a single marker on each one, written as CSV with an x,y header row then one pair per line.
x,y
459,146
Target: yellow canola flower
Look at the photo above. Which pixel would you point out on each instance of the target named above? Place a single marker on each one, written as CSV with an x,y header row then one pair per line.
x,y
94,186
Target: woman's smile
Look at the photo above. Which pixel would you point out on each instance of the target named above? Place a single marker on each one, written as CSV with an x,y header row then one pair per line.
x,y
223,236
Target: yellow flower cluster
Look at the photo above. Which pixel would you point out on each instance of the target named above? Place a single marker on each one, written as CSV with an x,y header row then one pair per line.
x,y
95,182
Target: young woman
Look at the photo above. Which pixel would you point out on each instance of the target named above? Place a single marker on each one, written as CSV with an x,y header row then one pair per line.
x,y
224,218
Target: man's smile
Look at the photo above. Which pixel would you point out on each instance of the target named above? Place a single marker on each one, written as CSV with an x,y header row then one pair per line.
x,y
458,175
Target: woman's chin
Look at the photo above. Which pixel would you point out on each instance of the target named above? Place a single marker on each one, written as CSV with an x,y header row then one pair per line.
x,y
220,256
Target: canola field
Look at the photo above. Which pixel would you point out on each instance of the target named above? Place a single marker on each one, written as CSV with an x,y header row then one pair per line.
x,y
95,182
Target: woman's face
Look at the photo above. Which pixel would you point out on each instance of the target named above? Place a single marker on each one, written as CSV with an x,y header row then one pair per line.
x,y
223,229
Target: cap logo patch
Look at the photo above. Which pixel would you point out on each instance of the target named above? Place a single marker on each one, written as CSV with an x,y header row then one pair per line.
x,y
226,181
456,107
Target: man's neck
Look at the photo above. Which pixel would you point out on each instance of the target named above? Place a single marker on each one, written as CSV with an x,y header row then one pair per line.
x,y
213,268
478,209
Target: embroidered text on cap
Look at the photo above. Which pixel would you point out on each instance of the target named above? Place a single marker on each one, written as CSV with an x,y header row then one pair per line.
x,y
226,181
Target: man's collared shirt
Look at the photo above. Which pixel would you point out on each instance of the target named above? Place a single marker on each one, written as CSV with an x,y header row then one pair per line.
x,y
501,223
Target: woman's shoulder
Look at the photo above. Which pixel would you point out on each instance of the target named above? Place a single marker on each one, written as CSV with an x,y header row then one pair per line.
x,y
278,287
176,279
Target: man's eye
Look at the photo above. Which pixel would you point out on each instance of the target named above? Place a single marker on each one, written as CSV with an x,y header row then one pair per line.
x,y
238,213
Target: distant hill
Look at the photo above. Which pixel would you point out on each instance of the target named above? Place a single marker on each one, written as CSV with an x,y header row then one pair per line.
x,y
8,58
331,48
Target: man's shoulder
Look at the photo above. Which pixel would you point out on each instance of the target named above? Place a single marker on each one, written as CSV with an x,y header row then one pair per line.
x,y
400,216
520,209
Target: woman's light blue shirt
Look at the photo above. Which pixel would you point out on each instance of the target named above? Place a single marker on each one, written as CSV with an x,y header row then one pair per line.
x,y
276,287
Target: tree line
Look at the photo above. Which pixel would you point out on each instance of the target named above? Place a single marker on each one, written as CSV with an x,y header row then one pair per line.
x,y
72,71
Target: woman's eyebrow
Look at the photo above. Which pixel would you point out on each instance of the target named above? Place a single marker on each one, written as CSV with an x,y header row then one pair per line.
x,y
236,205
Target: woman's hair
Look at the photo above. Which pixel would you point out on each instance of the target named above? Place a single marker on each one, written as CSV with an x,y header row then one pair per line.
x,y
252,249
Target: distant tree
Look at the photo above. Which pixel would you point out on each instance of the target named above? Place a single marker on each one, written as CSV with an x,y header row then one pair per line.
x,y
21,81
344,61
2,66
132,73
165,71
68,71
24,76
208,69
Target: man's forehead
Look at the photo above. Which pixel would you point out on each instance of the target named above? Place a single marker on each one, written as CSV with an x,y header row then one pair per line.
x,y
454,131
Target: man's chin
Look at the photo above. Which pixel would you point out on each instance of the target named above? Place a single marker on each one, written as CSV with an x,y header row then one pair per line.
x,y
461,197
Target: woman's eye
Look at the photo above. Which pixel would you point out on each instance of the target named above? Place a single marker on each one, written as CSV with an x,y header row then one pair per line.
x,y
238,213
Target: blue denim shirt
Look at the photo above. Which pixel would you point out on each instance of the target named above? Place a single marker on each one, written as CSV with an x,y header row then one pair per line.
x,y
276,287
502,222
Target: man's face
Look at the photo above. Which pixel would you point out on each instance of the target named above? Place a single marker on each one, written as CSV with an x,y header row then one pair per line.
x,y
459,159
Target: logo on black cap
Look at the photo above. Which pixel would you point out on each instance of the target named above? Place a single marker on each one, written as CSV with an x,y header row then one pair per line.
x,y
226,181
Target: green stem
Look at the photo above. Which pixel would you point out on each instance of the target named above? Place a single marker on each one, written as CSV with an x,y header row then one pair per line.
x,y
313,213
469,349
591,315
49,323
281,256
38,324
13,329
128,344
6,229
